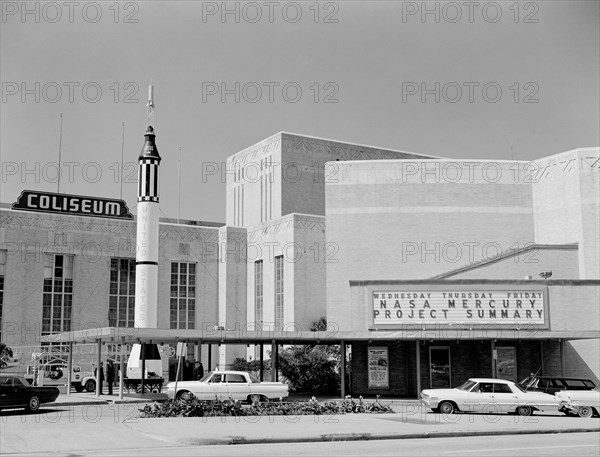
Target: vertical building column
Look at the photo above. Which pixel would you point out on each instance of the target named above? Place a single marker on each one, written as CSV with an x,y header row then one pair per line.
x,y
143,374
418,361
274,357
262,362
70,368
121,366
343,369
98,362
494,357
562,357
209,368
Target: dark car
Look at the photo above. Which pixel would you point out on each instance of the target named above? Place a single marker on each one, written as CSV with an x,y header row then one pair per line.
x,y
16,392
553,384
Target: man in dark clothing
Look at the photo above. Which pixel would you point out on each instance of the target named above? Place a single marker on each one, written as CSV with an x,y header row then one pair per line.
x,y
198,371
110,376
100,379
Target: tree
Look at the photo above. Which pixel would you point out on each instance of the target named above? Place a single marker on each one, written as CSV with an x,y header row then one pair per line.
x,y
311,367
6,354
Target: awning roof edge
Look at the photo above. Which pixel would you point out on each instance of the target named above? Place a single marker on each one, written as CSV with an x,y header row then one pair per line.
x,y
170,336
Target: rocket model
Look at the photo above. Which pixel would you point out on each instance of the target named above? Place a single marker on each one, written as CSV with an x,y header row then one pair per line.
x,y
144,359
146,265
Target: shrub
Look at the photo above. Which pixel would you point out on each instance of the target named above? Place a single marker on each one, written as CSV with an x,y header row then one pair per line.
x,y
193,407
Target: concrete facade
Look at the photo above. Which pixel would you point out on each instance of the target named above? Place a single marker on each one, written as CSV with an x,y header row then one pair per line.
x,y
313,216
27,237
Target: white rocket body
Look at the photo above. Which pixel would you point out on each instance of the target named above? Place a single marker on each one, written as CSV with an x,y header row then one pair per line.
x,y
146,268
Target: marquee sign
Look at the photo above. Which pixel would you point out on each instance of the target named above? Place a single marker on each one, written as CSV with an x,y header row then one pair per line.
x,y
76,205
461,307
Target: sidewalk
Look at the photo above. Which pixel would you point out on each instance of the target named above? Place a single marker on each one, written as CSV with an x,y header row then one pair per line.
x,y
409,421
89,398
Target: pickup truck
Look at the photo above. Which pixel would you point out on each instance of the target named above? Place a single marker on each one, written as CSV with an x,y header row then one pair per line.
x,y
221,385
56,375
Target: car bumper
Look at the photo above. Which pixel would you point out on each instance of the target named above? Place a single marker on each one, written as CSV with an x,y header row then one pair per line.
x,y
429,402
567,407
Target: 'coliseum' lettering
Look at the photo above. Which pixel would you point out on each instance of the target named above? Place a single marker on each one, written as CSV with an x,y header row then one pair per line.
x,y
72,204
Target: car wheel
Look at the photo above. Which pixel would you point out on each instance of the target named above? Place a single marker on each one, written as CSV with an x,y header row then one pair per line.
x,y
90,386
446,407
585,411
184,395
254,398
524,410
33,404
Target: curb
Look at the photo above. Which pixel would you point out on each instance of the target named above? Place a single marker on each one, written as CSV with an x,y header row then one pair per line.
x,y
77,403
98,402
370,437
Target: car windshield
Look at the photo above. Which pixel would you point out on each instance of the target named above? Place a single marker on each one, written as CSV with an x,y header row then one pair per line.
x,y
254,379
467,385
520,388
205,377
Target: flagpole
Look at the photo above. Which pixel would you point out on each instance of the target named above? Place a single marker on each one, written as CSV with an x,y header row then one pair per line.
x,y
59,151
179,188
122,152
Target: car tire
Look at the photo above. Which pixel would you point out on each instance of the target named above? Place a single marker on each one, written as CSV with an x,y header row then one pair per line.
x,y
446,407
184,395
257,398
33,404
524,410
585,411
90,385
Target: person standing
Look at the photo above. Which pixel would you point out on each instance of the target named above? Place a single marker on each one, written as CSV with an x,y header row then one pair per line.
x,y
100,377
198,371
110,376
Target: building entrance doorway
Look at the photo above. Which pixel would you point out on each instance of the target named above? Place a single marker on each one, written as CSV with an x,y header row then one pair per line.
x,y
439,366
506,363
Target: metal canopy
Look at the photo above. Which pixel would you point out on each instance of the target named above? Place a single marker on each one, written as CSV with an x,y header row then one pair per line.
x,y
332,336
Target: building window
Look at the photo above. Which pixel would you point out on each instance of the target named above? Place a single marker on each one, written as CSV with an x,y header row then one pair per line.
x,y
258,294
279,292
57,301
2,273
266,189
183,295
121,294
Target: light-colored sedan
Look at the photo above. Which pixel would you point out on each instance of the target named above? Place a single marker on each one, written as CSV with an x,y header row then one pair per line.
x,y
584,403
221,385
488,395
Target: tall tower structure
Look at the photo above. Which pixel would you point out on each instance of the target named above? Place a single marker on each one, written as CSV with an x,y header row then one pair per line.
x,y
146,265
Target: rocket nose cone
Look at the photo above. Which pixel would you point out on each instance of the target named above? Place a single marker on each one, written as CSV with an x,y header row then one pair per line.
x,y
149,150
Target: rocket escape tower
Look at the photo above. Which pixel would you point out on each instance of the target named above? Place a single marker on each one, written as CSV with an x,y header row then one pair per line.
x,y
146,269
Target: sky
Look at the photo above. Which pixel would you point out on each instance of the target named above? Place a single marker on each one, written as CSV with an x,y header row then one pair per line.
x,y
484,80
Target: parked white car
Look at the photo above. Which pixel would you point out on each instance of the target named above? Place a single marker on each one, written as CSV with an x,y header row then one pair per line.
x,y
584,403
238,385
488,395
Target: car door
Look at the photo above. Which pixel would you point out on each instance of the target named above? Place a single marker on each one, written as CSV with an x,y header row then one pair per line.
x,y
483,398
6,392
237,386
15,395
504,398
217,387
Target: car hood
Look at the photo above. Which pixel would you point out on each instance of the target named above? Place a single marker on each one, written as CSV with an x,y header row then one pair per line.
x,y
188,383
438,392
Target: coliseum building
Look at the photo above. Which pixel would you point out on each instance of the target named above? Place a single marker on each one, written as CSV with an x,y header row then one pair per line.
x,y
428,270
